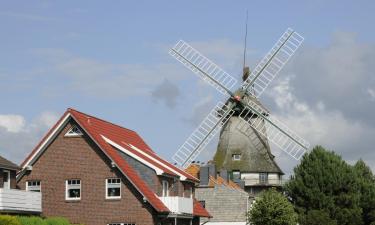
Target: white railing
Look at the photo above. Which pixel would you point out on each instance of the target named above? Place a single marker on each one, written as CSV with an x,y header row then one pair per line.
x,y
269,182
14,200
178,205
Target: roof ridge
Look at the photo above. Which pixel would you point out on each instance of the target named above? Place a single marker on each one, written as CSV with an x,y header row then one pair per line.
x,y
105,121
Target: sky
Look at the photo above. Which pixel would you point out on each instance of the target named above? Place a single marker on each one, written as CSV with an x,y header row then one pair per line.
x,y
110,60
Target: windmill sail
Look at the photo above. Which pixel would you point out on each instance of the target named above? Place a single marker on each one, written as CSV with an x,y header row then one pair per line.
x,y
203,67
273,130
272,63
193,146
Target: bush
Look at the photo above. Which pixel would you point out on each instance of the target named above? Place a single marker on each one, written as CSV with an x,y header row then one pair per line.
x,y
8,220
31,220
57,221
272,208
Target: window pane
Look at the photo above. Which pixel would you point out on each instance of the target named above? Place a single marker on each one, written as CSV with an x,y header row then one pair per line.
x,y
74,193
113,192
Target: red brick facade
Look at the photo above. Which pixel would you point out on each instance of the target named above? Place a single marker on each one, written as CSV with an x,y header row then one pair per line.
x,y
80,158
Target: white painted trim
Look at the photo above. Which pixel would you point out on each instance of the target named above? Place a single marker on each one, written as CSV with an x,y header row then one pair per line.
x,y
8,182
157,170
41,147
106,189
66,191
27,185
182,177
74,134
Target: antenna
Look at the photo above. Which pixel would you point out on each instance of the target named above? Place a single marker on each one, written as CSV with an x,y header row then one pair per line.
x,y
244,51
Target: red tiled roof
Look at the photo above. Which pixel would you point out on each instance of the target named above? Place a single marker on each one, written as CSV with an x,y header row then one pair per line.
x,y
198,210
97,128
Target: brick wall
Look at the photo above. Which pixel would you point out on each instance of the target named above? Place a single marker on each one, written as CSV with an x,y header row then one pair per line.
x,y
78,157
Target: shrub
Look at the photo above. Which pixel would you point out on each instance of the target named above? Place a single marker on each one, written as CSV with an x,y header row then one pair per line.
x,y
57,221
8,220
31,220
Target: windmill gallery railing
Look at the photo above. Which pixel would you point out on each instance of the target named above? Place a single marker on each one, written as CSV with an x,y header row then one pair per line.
x,y
19,201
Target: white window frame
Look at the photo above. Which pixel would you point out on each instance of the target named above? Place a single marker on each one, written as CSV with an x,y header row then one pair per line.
x,y
37,187
165,188
265,175
121,224
75,134
8,181
236,157
114,185
75,186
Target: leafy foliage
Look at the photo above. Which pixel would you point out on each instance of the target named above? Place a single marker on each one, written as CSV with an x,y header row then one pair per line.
x,y
8,220
31,220
367,189
57,221
325,182
272,208
317,217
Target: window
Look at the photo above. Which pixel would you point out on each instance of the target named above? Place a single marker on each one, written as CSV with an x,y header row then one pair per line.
x,y
73,189
33,185
113,188
236,175
165,188
236,157
263,178
74,132
203,203
121,224
6,179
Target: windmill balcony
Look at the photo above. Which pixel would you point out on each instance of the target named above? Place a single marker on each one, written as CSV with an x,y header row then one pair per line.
x,y
19,201
178,205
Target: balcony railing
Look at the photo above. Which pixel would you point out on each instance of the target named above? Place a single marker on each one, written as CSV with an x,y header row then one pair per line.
x,y
13,200
178,205
258,182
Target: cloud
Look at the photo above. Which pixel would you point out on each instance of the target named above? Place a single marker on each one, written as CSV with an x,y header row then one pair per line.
x,y
17,142
27,16
371,92
166,92
320,125
12,123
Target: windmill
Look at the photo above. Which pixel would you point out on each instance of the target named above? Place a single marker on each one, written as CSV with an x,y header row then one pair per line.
x,y
242,102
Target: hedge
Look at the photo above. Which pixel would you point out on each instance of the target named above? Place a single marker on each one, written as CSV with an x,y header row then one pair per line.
x,y
32,220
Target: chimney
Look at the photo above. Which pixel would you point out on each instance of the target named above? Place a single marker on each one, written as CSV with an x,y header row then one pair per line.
x,y
205,172
224,174
203,176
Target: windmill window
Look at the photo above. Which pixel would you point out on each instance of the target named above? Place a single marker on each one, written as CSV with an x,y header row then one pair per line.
x,y
33,185
236,157
113,188
236,175
203,203
263,178
73,189
74,132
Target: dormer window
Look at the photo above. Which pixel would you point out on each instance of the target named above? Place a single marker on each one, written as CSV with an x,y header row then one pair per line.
x,y
236,157
165,191
74,132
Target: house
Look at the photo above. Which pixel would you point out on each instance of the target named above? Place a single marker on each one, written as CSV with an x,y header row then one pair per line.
x,y
226,201
97,173
13,200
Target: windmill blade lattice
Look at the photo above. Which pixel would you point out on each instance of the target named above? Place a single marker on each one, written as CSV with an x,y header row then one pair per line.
x,y
203,67
193,146
273,130
272,63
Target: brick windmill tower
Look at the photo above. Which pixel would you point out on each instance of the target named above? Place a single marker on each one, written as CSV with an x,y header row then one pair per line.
x,y
246,126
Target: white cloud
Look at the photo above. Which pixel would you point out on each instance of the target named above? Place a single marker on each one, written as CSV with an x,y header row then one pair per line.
x,y
20,139
371,92
12,123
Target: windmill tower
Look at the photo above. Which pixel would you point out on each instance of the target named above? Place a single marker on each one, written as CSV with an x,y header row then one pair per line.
x,y
246,125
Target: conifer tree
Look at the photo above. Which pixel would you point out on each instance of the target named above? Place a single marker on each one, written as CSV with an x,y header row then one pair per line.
x,y
325,182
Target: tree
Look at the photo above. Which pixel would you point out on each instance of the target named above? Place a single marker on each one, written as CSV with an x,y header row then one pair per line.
x,y
272,208
367,190
323,181
317,217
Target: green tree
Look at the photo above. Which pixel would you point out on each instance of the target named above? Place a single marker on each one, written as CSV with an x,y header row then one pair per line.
x,y
272,208
367,190
323,181
317,217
